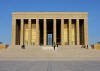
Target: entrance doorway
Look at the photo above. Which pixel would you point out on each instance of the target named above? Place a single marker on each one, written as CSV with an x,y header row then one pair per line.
x,y
49,39
49,31
58,31
18,29
41,31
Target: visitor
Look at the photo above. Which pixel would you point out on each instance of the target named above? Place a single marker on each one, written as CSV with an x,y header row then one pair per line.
x,y
82,46
54,47
57,44
23,46
87,46
92,47
54,43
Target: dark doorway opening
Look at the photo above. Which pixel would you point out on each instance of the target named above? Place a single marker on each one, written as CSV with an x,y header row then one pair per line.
x,y
18,29
58,31
49,30
75,33
41,30
81,27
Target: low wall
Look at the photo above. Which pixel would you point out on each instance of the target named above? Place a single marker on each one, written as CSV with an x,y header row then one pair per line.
x,y
2,46
97,46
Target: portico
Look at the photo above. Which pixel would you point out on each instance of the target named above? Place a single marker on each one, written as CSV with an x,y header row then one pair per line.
x,y
47,28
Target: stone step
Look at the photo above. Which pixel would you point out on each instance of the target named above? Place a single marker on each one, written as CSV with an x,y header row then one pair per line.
x,y
48,51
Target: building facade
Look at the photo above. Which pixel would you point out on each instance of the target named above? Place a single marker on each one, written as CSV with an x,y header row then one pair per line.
x,y
47,28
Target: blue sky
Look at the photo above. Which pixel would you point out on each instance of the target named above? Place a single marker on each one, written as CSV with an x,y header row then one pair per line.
x,y
90,6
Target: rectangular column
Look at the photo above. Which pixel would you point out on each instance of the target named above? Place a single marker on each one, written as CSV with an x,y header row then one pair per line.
x,y
37,31
54,31
22,32
86,31
62,31
45,32
70,32
13,31
29,32
77,32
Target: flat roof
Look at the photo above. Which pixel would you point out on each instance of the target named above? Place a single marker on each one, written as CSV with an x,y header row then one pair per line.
x,y
49,13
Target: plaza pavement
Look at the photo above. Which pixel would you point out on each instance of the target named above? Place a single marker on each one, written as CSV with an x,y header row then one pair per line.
x,y
49,65
46,59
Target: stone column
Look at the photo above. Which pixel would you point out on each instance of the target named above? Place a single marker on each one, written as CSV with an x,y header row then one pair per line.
x,y
77,32
86,31
29,32
37,31
13,31
62,31
45,32
70,32
54,31
22,32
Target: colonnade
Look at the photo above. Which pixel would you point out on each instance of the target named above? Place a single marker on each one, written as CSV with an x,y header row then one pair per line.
x,y
45,32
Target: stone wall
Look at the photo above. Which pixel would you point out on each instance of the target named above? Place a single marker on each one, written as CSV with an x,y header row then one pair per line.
x,y
2,46
97,46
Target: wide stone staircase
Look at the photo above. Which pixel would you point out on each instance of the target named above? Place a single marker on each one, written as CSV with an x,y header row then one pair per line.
x,y
48,51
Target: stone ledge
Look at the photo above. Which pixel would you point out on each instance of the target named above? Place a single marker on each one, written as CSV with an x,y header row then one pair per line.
x,y
2,46
50,13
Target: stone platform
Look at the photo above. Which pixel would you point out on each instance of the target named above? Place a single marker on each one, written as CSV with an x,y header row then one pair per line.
x,y
48,53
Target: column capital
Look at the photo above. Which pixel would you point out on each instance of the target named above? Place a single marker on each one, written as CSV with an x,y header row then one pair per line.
x,y
77,19
22,20
29,20
37,20
45,19
62,18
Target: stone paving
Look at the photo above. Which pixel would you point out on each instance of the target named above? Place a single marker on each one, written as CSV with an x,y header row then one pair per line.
x,y
46,59
50,66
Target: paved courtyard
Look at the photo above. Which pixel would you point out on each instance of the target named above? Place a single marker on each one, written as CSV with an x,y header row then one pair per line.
x,y
43,59
50,66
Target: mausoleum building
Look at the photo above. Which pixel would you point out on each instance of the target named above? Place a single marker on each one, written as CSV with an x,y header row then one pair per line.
x,y
48,28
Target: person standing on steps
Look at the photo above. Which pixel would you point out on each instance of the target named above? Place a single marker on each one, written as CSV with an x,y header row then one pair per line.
x,y
87,46
23,46
54,46
57,44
